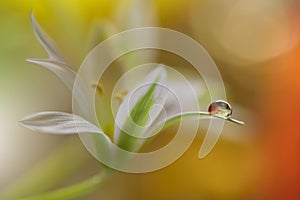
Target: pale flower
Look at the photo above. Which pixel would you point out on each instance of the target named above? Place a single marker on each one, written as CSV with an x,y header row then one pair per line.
x,y
140,121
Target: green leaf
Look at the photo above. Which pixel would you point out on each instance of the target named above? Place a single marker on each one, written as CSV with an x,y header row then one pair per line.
x,y
139,115
74,191
49,172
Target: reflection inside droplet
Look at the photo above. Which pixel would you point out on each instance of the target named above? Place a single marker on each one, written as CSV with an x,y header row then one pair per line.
x,y
220,108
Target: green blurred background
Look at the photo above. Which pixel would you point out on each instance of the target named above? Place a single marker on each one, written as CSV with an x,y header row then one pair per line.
x,y
256,46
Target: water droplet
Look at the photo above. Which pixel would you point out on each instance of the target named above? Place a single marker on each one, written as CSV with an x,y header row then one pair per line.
x,y
220,108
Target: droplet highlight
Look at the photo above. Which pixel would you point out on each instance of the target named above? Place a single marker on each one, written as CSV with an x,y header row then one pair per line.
x,y
220,108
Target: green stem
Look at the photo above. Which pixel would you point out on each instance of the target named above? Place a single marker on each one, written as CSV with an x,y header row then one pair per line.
x,y
199,113
177,117
74,191
193,114
48,172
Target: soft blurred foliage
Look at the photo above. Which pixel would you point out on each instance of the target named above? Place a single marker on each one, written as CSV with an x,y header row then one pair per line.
x,y
255,44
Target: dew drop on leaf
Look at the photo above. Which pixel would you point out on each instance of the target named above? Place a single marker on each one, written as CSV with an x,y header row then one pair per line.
x,y
220,108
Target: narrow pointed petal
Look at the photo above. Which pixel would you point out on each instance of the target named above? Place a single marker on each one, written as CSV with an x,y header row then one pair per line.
x,y
58,123
65,124
136,113
61,70
55,63
67,76
45,41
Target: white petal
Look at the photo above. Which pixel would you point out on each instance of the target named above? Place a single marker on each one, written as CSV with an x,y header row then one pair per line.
x,y
58,123
45,41
136,14
61,70
135,94
67,75
56,64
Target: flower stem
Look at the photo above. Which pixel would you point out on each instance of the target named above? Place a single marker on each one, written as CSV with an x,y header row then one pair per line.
x,y
73,191
200,114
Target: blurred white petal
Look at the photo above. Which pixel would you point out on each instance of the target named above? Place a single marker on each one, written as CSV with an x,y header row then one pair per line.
x,y
45,41
57,64
136,14
61,70
58,123
67,75
157,76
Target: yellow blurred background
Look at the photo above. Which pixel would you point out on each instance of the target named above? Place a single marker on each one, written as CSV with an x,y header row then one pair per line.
x,y
255,45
